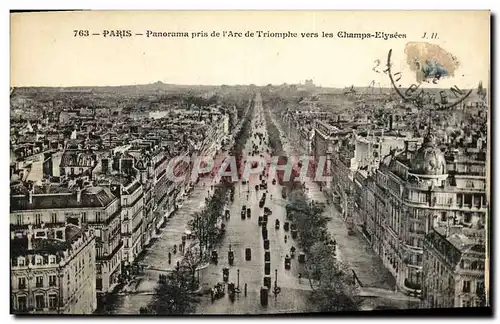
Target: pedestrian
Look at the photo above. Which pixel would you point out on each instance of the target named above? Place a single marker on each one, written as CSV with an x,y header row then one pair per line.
x,y
169,258
245,289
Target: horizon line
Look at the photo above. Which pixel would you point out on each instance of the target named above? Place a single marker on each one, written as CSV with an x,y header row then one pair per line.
x,y
211,85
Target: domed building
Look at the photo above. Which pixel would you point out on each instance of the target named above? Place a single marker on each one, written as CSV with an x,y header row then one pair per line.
x,y
428,166
422,196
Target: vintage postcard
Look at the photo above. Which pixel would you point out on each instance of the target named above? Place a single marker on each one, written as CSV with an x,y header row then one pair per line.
x,y
249,162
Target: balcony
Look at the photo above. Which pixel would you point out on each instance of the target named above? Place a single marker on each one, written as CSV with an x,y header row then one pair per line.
x,y
412,285
109,256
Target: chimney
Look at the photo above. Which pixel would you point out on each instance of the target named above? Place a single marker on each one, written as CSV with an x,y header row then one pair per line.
x,y
105,165
30,237
30,193
78,194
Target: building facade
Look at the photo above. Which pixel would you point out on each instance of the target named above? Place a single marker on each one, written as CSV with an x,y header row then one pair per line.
x,y
53,270
96,207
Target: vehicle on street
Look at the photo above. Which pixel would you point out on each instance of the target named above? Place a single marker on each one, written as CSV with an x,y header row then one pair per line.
x,y
225,274
277,224
302,257
286,226
215,256
287,262
218,291
230,256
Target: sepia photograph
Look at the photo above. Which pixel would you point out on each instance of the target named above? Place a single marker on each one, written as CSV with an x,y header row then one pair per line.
x,y
167,163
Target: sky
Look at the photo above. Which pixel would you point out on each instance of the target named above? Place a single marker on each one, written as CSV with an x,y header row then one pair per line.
x,y
45,52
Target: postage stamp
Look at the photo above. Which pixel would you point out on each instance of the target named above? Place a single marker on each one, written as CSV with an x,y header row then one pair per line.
x,y
430,63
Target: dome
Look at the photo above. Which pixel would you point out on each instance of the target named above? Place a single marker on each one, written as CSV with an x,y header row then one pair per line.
x,y
429,160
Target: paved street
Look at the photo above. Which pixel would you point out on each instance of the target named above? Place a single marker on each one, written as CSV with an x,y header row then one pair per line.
x,y
242,234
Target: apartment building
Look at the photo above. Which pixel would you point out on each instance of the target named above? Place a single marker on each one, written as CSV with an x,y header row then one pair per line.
x,y
53,270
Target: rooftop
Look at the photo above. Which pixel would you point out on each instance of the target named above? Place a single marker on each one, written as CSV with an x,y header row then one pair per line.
x,y
48,244
92,197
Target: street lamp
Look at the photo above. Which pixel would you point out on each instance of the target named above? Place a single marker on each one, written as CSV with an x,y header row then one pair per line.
x,y
276,289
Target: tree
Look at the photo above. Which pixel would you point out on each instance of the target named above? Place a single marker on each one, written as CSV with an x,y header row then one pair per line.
x,y
309,218
173,296
191,261
332,282
204,223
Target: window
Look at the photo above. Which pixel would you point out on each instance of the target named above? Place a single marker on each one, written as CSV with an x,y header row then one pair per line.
x,y
38,219
479,288
19,219
98,216
53,217
125,201
72,171
52,280
21,283
84,217
466,287
39,281
98,284
21,303
443,216
467,217
38,261
39,301
52,301
52,259
468,200
20,262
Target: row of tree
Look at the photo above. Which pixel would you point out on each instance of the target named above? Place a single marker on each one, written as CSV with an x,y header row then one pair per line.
x,y
273,134
204,223
332,282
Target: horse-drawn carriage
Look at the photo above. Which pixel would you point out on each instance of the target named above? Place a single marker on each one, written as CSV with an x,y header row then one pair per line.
x,y
218,291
